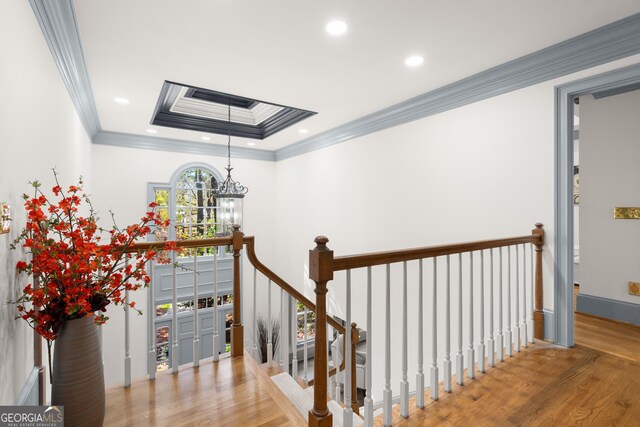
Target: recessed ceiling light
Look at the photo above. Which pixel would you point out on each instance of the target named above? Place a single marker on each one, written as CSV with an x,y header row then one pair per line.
x,y
206,138
303,130
121,100
152,131
251,144
336,28
414,61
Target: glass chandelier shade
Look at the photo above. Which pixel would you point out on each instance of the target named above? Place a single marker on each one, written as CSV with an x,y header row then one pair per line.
x,y
229,196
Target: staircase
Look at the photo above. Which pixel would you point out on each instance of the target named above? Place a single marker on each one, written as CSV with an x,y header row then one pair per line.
x,y
302,399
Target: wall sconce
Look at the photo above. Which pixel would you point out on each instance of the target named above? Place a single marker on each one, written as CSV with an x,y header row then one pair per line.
x,y
5,218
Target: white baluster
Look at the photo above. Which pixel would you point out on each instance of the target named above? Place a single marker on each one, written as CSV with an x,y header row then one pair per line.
x,y
216,336
151,369
517,300
471,367
481,347
491,348
447,345
281,341
196,318
509,336
269,328
127,342
304,345
523,328
500,343
175,349
293,306
459,357
368,400
531,290
254,320
387,397
329,378
347,417
404,384
420,374
434,334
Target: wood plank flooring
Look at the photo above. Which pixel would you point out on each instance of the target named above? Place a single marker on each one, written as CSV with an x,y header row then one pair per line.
x,y
597,383
609,336
233,392
544,385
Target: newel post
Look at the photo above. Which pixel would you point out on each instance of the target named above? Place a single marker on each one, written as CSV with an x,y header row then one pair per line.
x,y
320,271
538,317
237,333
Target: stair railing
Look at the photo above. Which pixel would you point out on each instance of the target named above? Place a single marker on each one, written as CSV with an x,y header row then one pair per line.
x,y
235,242
520,327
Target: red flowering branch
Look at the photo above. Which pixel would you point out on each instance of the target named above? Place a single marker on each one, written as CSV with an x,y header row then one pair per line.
x,y
79,274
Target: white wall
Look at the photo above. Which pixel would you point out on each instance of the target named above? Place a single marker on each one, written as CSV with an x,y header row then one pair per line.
x,y
121,177
39,130
482,171
609,177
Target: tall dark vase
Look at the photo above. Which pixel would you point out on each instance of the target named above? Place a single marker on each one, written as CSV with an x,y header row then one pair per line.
x,y
78,377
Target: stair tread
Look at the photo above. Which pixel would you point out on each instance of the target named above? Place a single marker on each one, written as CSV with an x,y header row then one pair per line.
x,y
302,399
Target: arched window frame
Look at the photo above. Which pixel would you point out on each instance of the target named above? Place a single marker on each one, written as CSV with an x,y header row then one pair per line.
x,y
171,187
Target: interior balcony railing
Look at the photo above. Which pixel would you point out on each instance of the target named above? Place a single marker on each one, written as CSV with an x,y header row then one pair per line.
x,y
293,326
499,280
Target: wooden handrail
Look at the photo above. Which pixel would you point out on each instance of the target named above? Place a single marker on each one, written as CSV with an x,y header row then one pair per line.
x,y
389,257
251,254
184,244
322,265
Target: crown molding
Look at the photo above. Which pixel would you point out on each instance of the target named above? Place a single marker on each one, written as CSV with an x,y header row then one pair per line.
x,y
605,44
179,146
57,20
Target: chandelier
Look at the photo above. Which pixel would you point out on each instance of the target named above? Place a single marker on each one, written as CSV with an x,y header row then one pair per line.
x,y
229,194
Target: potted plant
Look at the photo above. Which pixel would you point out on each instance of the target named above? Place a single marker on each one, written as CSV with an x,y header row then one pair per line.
x,y
78,269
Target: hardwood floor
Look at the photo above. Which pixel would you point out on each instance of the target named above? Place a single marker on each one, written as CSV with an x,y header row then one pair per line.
x,y
544,385
233,392
616,338
597,383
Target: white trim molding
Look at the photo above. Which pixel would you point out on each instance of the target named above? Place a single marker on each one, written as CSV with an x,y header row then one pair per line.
x,y
57,20
179,146
563,269
605,44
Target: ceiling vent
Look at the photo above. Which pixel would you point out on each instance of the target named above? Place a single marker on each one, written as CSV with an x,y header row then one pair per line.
x,y
187,107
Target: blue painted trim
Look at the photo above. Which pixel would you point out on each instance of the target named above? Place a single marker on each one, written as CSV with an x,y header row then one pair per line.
x,y
616,91
549,329
29,394
179,146
605,44
57,20
563,214
608,308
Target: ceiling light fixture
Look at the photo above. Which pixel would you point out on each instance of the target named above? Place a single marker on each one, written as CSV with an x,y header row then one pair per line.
x,y
229,194
152,131
206,138
303,130
414,61
336,28
251,144
121,100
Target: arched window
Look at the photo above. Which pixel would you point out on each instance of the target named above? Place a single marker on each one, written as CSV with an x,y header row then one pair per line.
x,y
187,200
189,203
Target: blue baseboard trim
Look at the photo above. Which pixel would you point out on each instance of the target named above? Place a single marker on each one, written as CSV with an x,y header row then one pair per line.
x,y
609,309
549,330
29,393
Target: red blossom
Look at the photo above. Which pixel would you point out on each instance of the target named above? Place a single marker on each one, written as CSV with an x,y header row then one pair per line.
x,y
78,276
